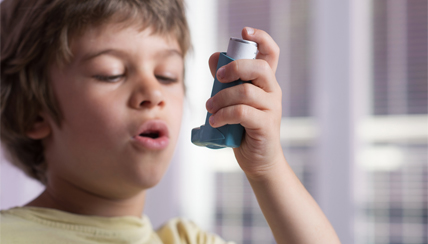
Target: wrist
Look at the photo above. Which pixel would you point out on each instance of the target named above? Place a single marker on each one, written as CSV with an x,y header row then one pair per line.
x,y
270,171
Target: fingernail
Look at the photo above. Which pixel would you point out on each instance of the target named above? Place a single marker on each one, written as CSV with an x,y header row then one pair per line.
x,y
220,73
209,104
250,31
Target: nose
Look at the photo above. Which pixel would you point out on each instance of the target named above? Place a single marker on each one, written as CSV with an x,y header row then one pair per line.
x,y
147,93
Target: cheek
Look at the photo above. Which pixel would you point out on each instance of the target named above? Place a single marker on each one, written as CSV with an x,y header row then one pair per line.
x,y
176,111
95,119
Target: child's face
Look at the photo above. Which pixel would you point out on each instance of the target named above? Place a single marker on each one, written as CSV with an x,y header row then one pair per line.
x,y
121,82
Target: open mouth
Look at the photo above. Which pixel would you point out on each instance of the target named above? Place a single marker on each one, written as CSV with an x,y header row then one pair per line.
x,y
153,129
151,134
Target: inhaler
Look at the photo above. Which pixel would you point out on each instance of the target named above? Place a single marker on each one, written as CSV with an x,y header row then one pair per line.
x,y
227,135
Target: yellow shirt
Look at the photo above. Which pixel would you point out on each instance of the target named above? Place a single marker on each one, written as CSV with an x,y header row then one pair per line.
x,y
45,226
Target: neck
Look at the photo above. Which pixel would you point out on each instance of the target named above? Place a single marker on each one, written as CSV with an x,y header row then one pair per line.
x,y
70,198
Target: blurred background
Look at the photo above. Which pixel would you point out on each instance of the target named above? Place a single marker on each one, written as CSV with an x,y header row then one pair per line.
x,y
354,129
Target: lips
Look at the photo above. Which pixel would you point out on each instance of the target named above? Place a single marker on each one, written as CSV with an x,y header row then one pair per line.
x,y
152,135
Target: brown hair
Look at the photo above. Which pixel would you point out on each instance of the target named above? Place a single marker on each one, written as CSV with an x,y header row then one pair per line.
x,y
35,33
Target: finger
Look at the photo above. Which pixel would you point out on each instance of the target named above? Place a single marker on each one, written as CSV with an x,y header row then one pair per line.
x,y
246,93
268,49
238,114
257,71
213,62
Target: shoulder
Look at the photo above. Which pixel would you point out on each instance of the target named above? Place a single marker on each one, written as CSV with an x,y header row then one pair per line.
x,y
11,223
183,231
13,226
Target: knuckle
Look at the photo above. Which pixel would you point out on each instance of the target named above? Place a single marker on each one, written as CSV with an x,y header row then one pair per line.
x,y
225,96
235,66
232,70
240,111
265,66
246,90
220,114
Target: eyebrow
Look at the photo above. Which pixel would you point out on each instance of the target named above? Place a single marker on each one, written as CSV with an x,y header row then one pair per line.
x,y
118,52
92,55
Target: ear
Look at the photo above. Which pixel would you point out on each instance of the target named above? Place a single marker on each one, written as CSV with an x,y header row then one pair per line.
x,y
40,129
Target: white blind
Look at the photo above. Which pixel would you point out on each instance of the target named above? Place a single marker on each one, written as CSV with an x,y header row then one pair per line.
x,y
277,17
400,57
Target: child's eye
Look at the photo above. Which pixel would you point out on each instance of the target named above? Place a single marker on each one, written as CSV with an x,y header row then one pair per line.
x,y
166,79
111,78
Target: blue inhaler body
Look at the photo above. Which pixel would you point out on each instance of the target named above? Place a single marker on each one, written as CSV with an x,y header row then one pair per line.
x,y
227,135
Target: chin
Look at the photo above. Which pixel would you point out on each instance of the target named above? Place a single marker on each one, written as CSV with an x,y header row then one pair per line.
x,y
148,170
132,186
151,181
149,177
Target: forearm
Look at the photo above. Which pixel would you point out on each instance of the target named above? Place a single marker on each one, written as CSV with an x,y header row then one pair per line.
x,y
292,213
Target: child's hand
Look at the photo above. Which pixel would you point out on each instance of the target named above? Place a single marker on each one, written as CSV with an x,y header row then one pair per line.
x,y
292,214
256,105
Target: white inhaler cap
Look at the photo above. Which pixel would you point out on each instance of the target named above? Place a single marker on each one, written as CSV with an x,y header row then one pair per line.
x,y
241,49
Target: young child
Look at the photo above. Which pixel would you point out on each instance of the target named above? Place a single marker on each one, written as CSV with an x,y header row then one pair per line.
x,y
91,104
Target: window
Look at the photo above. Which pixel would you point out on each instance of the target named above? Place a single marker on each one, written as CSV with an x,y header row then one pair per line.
x,y
238,216
368,59
394,205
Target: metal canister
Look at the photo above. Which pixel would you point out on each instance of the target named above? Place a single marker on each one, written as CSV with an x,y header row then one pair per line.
x,y
241,49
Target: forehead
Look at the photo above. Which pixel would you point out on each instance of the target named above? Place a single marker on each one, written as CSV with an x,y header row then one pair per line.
x,y
131,39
